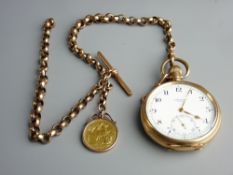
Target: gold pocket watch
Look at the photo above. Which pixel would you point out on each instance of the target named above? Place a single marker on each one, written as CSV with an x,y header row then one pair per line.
x,y
177,114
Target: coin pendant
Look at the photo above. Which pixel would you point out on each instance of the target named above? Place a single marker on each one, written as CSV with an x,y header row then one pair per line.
x,y
100,134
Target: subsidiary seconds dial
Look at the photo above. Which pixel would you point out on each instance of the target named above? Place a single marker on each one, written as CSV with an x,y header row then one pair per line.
x,y
181,110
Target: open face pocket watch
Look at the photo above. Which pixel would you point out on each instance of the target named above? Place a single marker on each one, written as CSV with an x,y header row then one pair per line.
x,y
177,114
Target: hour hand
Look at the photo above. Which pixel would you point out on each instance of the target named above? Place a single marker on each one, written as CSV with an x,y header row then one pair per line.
x,y
186,112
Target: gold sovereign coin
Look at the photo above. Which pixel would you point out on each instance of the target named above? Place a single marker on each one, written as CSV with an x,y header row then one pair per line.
x,y
100,134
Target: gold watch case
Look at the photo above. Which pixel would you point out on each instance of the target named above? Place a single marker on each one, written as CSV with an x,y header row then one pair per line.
x,y
180,145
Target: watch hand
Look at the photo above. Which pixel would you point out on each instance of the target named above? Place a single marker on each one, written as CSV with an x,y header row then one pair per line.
x,y
182,106
186,112
182,124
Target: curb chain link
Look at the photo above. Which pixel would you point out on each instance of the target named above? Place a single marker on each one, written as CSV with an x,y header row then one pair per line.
x,y
102,86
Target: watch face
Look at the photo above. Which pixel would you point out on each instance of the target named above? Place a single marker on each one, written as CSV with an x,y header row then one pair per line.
x,y
181,110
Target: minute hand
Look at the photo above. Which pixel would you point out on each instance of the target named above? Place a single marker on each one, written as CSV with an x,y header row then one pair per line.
x,y
182,106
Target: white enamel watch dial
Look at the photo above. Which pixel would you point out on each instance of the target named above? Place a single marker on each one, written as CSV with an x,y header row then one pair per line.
x,y
181,111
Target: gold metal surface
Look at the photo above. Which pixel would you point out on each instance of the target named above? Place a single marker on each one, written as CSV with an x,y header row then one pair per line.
x,y
175,72
104,140
115,74
102,87
100,135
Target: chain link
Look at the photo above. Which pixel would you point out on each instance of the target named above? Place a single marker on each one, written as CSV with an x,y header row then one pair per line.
x,y
102,86
103,98
120,19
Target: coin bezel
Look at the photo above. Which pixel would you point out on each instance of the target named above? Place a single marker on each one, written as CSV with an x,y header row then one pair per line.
x,y
85,142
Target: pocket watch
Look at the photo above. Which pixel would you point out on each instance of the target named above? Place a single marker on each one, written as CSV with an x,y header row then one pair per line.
x,y
178,114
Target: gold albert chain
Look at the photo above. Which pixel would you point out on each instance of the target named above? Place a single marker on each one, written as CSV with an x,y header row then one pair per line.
x,y
100,132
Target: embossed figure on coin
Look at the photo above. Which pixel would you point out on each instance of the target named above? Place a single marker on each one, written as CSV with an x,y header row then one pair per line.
x,y
100,135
